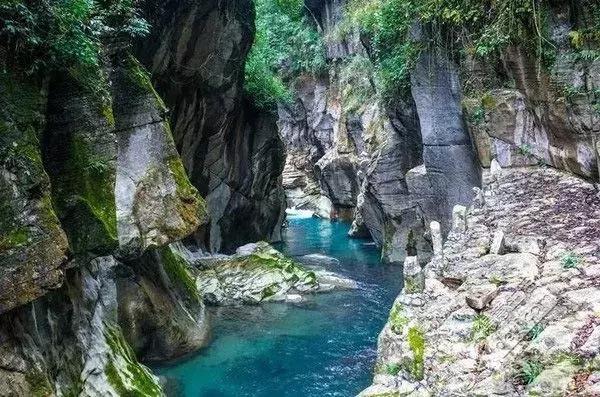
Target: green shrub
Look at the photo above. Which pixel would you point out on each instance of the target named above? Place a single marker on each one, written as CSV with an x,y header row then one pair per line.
x,y
66,35
571,260
481,28
482,327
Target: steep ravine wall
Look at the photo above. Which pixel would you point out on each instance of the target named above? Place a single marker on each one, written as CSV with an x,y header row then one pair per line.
x,y
391,166
231,151
89,186
94,193
394,168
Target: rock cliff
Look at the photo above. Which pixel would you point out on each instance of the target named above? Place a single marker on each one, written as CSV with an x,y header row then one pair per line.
x,y
89,185
231,151
509,306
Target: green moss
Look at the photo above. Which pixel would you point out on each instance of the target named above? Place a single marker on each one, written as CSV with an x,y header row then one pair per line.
x,y
416,343
177,270
39,385
84,196
192,207
397,319
488,101
124,372
138,75
414,284
107,112
14,238
269,291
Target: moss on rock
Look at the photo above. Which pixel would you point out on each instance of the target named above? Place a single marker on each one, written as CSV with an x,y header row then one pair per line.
x,y
177,270
84,196
124,372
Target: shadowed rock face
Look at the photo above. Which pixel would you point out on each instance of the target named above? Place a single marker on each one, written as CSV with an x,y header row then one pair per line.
x,y
232,152
119,191
33,245
451,167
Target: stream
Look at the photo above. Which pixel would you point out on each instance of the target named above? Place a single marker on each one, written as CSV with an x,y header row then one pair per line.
x,y
325,346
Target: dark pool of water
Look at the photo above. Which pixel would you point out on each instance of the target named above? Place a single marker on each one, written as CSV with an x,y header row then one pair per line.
x,y
323,347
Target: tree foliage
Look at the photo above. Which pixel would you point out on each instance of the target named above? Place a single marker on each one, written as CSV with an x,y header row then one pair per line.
x,y
286,44
474,27
66,35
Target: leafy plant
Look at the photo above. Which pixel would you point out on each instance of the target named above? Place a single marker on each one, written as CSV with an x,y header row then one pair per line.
x,y
477,115
483,28
66,35
525,150
534,331
397,319
286,44
529,369
392,368
482,327
571,260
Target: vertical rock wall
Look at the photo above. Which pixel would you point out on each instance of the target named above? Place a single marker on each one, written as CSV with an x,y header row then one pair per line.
x,y
72,279
232,152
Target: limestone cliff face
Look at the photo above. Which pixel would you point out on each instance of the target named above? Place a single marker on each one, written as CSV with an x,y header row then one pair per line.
x,y
92,189
232,152
548,117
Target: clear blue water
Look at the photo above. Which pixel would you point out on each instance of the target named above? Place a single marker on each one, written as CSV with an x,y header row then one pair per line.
x,y
323,347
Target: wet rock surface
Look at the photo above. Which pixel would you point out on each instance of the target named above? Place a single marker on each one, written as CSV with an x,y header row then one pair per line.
x,y
515,323
259,273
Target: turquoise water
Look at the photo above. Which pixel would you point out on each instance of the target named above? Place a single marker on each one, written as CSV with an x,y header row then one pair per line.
x,y
323,347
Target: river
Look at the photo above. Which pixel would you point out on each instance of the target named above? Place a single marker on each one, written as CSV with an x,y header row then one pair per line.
x,y
325,346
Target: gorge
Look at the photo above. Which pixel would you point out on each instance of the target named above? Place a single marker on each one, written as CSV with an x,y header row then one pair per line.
x,y
156,160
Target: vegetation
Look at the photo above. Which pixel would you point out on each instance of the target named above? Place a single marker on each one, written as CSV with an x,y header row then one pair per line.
x,y
397,319
460,27
571,260
534,332
392,368
178,272
66,35
529,370
482,327
286,44
416,343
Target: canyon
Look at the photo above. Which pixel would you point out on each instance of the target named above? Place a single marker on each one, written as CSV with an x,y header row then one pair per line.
x,y
128,211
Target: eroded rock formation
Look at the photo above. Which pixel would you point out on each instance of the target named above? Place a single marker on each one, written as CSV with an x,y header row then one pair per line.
x,y
490,309
232,152
119,190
